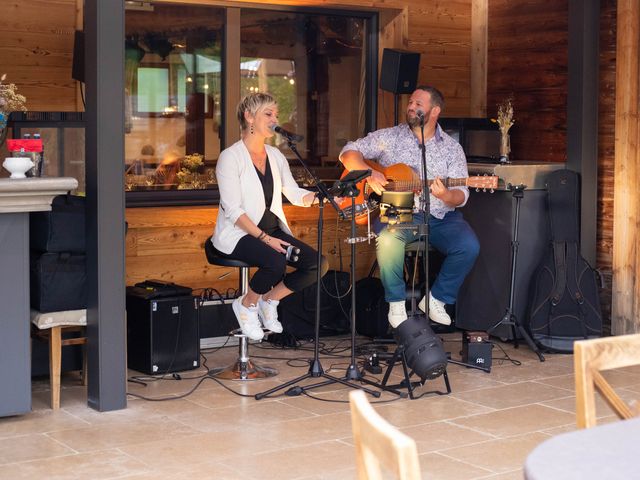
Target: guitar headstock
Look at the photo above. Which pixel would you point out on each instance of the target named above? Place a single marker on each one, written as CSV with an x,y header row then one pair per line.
x,y
484,182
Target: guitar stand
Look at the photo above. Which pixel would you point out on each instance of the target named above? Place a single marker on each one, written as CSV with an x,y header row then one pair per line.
x,y
399,355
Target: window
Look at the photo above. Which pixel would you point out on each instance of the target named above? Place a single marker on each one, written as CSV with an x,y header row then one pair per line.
x,y
318,65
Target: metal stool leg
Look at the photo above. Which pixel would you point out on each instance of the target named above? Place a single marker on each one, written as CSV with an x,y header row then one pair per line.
x,y
243,368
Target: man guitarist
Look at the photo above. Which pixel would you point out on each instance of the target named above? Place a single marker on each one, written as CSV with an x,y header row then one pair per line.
x,y
449,233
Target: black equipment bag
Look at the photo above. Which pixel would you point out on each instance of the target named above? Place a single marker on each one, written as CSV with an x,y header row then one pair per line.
x,y
150,289
296,312
58,282
371,308
62,228
564,302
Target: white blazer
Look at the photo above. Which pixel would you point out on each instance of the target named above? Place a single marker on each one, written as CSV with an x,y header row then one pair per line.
x,y
241,192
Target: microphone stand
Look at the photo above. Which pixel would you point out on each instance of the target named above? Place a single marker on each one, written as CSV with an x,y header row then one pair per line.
x,y
315,367
423,230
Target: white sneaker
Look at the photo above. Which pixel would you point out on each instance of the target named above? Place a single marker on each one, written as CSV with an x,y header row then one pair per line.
x,y
437,313
248,319
397,313
268,314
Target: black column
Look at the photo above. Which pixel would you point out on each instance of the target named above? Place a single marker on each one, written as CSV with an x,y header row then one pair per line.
x,y
104,75
582,113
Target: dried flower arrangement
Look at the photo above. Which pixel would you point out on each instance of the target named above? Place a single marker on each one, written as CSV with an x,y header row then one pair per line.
x,y
188,177
192,162
505,121
10,100
505,116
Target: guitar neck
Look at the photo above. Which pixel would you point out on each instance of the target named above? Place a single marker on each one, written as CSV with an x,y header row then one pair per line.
x,y
407,185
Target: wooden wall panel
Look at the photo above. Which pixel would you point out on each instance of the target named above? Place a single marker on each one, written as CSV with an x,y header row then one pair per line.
x,y
606,151
36,50
527,60
168,244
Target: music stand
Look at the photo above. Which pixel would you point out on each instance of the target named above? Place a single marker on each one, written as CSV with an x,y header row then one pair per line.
x,y
315,367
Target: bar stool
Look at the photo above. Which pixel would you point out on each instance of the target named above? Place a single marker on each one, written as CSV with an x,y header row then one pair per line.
x,y
243,368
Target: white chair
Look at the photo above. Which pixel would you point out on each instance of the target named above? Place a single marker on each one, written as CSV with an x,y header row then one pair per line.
x,y
380,446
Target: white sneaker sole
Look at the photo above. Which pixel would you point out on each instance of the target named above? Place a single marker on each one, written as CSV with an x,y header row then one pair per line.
x,y
272,327
235,306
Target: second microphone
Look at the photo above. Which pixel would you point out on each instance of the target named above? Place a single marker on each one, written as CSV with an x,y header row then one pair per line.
x,y
292,137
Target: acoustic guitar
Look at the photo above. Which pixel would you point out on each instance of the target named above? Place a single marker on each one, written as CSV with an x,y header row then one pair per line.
x,y
403,178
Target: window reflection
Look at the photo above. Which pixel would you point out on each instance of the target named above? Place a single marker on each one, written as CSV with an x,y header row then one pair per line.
x,y
173,91
315,67
313,63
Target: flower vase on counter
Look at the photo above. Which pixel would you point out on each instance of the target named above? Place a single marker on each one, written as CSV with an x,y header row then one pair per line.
x,y
505,121
505,147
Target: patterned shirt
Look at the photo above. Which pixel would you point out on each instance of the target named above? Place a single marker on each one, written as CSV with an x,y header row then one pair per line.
x,y
445,157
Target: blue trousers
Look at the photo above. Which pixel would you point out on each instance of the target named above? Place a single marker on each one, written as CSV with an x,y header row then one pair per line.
x,y
452,236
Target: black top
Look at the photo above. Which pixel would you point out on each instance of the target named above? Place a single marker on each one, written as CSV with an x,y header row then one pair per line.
x,y
269,222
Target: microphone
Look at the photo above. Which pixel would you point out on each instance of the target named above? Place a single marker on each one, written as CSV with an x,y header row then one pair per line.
x,y
292,253
420,115
292,137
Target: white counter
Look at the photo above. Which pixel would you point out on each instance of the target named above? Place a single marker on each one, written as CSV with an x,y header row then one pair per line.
x,y
18,197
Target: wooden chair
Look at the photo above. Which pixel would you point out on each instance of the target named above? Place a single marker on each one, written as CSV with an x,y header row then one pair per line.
x,y
380,446
52,328
590,358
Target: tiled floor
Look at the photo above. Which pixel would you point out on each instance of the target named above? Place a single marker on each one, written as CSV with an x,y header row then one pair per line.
x,y
484,429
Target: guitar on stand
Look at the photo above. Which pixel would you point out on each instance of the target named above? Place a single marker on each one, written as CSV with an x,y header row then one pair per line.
x,y
402,178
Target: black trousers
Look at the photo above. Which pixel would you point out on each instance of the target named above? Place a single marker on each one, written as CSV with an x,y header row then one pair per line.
x,y
272,265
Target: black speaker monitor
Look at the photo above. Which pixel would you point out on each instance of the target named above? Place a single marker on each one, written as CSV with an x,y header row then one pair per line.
x,y
77,69
399,73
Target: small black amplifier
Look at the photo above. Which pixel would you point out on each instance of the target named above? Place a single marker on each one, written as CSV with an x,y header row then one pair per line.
x,y
476,349
162,333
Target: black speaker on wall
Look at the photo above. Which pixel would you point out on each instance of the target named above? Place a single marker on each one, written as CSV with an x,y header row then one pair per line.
x,y
77,69
399,73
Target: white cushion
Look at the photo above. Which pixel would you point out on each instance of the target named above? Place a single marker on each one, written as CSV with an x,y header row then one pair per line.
x,y
65,318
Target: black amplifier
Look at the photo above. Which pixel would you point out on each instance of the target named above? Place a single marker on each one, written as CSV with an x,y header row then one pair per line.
x,y
162,333
476,349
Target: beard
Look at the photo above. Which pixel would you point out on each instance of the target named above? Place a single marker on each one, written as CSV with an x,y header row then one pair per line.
x,y
414,121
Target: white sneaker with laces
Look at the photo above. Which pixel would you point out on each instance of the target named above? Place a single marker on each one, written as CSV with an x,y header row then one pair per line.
x,y
268,313
397,313
437,313
248,319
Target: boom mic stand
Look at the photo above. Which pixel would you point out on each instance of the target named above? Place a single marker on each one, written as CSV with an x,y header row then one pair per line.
x,y
510,318
315,367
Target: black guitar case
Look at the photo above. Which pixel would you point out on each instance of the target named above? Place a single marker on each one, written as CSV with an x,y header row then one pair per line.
x,y
564,302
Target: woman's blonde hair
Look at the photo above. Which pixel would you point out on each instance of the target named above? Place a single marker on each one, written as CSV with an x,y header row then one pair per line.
x,y
252,103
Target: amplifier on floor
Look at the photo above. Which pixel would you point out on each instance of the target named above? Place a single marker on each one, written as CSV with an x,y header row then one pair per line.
x,y
476,349
216,321
162,333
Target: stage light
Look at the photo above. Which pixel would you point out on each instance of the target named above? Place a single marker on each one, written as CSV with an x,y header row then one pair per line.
x,y
423,349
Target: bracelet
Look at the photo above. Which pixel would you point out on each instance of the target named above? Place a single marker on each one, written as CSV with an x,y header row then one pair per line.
x,y
262,235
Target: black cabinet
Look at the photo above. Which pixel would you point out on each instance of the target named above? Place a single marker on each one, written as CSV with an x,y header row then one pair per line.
x,y
484,295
